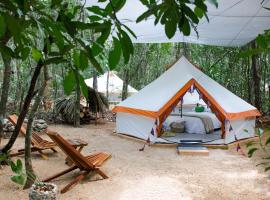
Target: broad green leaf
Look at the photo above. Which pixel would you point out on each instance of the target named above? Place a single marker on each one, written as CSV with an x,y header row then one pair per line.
x,y
13,167
185,27
76,58
126,45
83,86
83,60
2,26
7,51
25,53
97,49
69,82
104,36
91,56
55,60
19,165
144,16
115,5
19,179
201,5
130,31
191,14
199,12
251,151
94,18
170,28
36,54
14,26
97,10
115,54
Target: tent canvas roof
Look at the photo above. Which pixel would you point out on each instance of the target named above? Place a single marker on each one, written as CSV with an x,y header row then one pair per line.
x,y
233,23
115,84
159,95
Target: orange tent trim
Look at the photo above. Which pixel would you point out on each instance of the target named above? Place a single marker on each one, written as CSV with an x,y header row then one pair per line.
x,y
181,92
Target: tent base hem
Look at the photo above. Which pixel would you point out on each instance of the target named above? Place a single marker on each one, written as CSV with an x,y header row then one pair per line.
x,y
161,144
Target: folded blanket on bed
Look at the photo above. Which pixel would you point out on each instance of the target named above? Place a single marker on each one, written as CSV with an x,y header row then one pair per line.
x,y
207,121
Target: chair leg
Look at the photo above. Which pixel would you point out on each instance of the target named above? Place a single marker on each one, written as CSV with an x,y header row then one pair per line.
x,y
43,155
54,150
22,151
75,181
101,173
60,173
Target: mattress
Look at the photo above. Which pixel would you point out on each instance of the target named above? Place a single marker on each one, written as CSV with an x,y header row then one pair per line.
x,y
193,124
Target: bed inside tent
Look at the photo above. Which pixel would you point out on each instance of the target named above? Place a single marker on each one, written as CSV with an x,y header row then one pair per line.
x,y
193,120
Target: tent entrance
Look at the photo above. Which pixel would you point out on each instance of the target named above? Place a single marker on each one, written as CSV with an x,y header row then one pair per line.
x,y
192,125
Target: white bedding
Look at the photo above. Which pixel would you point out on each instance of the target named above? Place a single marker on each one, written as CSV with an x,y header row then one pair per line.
x,y
193,124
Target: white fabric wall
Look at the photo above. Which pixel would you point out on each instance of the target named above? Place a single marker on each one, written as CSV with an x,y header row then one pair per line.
x,y
238,129
135,125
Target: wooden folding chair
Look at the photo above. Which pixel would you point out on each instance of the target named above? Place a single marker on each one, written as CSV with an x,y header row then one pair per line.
x,y
38,144
85,164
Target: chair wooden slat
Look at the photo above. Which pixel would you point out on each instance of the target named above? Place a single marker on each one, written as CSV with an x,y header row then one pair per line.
x,y
86,164
36,140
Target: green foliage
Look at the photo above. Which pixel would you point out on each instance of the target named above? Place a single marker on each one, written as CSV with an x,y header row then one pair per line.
x,y
69,82
115,54
173,14
16,167
259,146
36,54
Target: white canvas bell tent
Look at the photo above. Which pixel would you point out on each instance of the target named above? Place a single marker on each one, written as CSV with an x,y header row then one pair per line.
x,y
115,86
143,114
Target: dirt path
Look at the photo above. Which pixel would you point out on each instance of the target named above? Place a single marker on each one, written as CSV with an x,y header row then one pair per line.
x,y
157,173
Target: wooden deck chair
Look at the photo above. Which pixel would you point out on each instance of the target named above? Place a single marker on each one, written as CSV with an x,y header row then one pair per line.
x,y
38,144
85,164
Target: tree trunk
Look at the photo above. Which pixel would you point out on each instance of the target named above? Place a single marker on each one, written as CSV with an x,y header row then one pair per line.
x,y
4,94
269,99
25,108
107,85
256,78
19,89
28,163
95,81
249,82
185,50
177,50
125,85
77,102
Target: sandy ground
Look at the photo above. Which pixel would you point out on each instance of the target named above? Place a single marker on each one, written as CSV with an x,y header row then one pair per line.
x,y
158,173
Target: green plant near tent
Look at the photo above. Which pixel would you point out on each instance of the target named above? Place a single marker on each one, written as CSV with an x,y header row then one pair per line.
x,y
262,146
